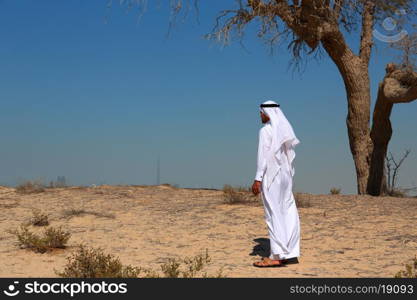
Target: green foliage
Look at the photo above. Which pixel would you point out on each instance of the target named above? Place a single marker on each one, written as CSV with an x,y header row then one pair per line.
x,y
189,267
410,270
335,191
52,238
94,263
398,193
171,268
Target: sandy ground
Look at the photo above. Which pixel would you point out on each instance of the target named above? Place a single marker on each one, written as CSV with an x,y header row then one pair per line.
x,y
342,235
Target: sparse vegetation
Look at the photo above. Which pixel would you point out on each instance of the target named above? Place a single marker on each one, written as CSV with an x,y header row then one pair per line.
x,y
94,263
30,187
301,201
76,212
52,238
38,218
171,185
392,167
398,193
243,195
410,270
238,195
335,191
189,267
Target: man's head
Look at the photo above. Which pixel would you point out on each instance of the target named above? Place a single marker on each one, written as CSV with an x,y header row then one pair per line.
x,y
264,110
264,118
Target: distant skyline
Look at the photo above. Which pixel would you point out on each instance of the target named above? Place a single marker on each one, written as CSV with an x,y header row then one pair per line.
x,y
99,102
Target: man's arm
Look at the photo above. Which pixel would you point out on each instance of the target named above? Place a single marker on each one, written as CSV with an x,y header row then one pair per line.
x,y
261,163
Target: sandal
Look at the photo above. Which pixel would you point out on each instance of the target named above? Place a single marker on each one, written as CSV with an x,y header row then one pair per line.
x,y
290,261
268,263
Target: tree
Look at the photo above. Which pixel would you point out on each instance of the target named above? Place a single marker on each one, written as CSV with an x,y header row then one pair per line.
x,y
398,86
310,26
393,167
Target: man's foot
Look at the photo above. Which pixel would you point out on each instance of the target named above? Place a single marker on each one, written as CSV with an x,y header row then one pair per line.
x,y
268,263
290,261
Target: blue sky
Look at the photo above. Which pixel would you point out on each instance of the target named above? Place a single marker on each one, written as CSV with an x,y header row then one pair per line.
x,y
98,101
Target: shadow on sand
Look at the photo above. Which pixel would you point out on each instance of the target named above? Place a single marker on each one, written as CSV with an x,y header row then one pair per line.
x,y
262,248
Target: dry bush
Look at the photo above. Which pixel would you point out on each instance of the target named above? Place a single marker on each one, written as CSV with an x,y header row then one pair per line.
x,y
125,194
392,167
302,200
30,187
238,195
396,192
171,185
410,270
73,212
94,263
38,218
189,267
52,238
335,191
76,212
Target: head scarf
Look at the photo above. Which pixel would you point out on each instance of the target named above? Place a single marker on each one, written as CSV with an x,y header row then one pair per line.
x,y
283,141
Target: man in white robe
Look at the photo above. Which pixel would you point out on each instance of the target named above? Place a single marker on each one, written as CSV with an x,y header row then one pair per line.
x,y
274,180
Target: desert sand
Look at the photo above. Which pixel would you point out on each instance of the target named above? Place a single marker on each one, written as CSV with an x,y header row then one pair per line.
x,y
342,235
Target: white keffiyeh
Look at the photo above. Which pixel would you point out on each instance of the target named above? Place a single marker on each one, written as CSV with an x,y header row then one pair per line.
x,y
283,142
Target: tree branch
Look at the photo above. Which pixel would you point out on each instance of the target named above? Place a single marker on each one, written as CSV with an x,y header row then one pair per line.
x,y
366,42
399,86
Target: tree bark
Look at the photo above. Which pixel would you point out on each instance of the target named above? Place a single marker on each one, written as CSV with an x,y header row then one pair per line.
x,y
381,135
398,86
355,73
358,120
356,79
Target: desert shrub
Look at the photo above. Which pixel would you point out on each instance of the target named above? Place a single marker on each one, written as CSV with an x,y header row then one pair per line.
x,y
94,263
335,191
76,212
171,268
52,238
301,200
238,195
30,187
410,270
38,218
56,237
171,185
73,212
243,189
189,267
398,193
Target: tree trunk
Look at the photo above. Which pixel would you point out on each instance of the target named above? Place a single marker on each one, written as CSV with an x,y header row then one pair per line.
x,y
398,86
358,119
356,78
381,135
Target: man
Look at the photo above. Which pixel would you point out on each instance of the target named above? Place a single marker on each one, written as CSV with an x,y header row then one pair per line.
x,y
274,180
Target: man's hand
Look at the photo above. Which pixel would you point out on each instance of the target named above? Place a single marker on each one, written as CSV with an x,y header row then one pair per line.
x,y
256,187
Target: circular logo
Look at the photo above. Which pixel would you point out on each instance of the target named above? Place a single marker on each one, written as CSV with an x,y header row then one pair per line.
x,y
390,25
11,290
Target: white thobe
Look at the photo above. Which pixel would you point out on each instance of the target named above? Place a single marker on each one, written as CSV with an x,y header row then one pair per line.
x,y
281,213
